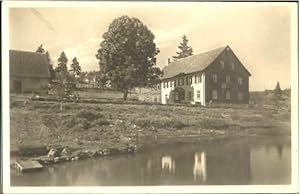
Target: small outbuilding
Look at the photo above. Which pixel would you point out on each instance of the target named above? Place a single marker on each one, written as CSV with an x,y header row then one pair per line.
x,y
28,72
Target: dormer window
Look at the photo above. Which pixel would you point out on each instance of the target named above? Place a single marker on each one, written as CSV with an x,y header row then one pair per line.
x,y
215,78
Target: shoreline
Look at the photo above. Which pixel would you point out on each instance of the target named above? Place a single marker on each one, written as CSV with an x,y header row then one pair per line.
x,y
65,154
83,130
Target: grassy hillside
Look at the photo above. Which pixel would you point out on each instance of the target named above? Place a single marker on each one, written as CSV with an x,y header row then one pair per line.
x,y
85,125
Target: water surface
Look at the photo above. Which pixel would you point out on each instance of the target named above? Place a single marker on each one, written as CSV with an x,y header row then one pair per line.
x,y
237,162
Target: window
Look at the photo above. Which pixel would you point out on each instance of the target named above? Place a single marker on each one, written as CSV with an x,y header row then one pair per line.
x,y
240,81
223,86
182,81
222,64
198,94
187,80
171,84
164,84
215,78
227,78
240,96
175,83
228,95
190,79
167,85
215,94
199,78
189,95
232,66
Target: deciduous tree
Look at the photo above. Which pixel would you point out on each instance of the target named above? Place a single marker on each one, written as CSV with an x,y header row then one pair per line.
x,y
127,55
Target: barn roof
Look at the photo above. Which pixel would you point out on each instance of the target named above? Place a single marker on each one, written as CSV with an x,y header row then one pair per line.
x,y
28,64
191,64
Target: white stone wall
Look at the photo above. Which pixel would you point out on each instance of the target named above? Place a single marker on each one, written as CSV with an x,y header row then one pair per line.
x,y
199,86
165,92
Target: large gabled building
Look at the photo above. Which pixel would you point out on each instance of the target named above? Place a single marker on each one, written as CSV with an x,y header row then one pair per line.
x,y
28,72
213,76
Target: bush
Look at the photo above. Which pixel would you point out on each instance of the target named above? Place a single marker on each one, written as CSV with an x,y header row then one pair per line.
x,y
101,122
89,115
160,123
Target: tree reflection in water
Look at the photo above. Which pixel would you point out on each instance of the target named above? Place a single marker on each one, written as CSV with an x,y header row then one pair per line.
x,y
223,162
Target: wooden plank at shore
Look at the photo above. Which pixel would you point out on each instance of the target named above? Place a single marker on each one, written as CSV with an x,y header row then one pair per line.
x,y
27,165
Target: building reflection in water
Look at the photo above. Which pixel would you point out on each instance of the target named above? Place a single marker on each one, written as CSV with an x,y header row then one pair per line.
x,y
199,169
168,164
224,163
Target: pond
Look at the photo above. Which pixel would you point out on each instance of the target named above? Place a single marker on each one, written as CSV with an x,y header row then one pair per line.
x,y
220,162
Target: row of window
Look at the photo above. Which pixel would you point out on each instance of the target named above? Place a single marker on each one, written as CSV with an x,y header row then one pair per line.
x,y
215,79
214,95
188,80
227,95
222,63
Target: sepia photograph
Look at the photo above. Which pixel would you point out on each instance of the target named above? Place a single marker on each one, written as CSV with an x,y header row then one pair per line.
x,y
185,95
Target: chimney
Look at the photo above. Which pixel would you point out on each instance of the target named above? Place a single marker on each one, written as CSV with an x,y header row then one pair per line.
x,y
169,61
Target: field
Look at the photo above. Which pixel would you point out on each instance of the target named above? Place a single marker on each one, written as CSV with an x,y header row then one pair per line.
x,y
109,125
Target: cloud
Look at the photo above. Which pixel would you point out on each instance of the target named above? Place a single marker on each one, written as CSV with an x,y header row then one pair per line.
x,y
84,52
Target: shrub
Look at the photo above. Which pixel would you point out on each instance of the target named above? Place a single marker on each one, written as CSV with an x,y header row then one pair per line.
x,y
88,115
102,121
160,123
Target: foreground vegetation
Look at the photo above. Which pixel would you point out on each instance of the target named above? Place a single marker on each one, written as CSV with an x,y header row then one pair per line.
x,y
111,125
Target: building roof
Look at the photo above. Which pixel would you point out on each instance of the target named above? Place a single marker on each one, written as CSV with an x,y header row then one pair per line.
x,y
191,64
28,64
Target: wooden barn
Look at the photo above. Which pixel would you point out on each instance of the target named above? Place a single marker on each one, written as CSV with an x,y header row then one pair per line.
x,y
28,72
213,76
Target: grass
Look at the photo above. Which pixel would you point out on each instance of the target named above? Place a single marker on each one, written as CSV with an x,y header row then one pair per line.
x,y
109,124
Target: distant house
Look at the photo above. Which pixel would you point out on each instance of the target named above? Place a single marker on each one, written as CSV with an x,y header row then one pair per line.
x,y
29,72
213,76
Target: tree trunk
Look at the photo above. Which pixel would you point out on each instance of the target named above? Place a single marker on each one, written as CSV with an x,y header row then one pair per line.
x,y
125,94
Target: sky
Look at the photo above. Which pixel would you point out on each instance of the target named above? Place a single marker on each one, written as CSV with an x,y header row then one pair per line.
x,y
259,34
